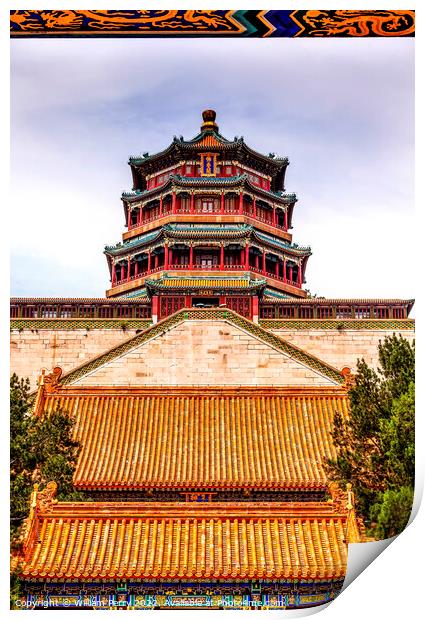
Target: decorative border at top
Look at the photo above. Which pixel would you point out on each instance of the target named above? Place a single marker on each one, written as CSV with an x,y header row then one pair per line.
x,y
186,23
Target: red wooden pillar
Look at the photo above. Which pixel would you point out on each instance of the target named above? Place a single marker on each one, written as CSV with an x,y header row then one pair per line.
x,y
286,220
222,258
122,272
300,277
129,218
160,206
222,203
136,268
149,261
264,263
192,202
277,268
156,259
255,311
290,273
174,202
166,256
241,203
191,256
247,256
254,207
257,262
170,257
154,308
284,269
114,274
128,269
274,216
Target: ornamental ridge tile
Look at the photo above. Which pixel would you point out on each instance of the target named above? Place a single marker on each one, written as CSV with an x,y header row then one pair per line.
x,y
282,244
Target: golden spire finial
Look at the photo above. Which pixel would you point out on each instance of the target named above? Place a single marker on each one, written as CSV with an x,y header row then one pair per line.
x,y
209,120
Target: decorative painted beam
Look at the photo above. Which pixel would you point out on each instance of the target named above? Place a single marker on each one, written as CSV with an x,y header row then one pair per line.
x,y
227,23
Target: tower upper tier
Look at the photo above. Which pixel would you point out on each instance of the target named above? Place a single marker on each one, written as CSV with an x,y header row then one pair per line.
x,y
214,212
266,171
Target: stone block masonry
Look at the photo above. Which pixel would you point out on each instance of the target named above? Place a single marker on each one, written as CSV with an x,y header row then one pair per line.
x,y
342,347
210,354
204,353
32,350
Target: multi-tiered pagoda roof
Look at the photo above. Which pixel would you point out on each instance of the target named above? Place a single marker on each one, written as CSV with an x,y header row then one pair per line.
x,y
200,208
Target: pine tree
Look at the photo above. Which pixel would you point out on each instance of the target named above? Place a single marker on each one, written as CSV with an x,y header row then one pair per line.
x,y
375,445
41,449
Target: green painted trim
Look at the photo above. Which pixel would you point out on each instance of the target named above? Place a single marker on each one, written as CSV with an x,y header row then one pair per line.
x,y
358,324
71,324
217,314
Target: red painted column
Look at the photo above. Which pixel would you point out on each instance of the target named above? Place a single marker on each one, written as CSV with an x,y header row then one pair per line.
x,y
257,262
192,202
122,272
255,311
264,263
247,256
284,269
286,220
149,261
170,257
174,202
166,256
156,259
160,206
154,308
191,257
241,203
274,217
254,207
300,271
136,268
114,274
222,258
277,268
128,269
222,203
129,218
290,273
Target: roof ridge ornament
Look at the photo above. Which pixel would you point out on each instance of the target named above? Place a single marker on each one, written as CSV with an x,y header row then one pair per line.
x,y
209,123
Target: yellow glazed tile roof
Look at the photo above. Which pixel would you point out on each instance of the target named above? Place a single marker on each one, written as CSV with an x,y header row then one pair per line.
x,y
209,140
180,541
200,437
208,282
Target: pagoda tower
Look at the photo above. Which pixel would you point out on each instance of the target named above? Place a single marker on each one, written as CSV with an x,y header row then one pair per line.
x,y
208,224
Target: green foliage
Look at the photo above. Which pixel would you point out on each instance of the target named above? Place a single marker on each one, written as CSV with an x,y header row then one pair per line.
x,y
376,445
391,511
15,591
41,450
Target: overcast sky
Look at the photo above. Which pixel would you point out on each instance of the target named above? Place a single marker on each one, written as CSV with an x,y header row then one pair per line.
x,y
341,110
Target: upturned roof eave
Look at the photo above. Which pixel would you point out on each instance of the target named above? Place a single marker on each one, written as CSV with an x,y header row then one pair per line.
x,y
278,163
176,180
